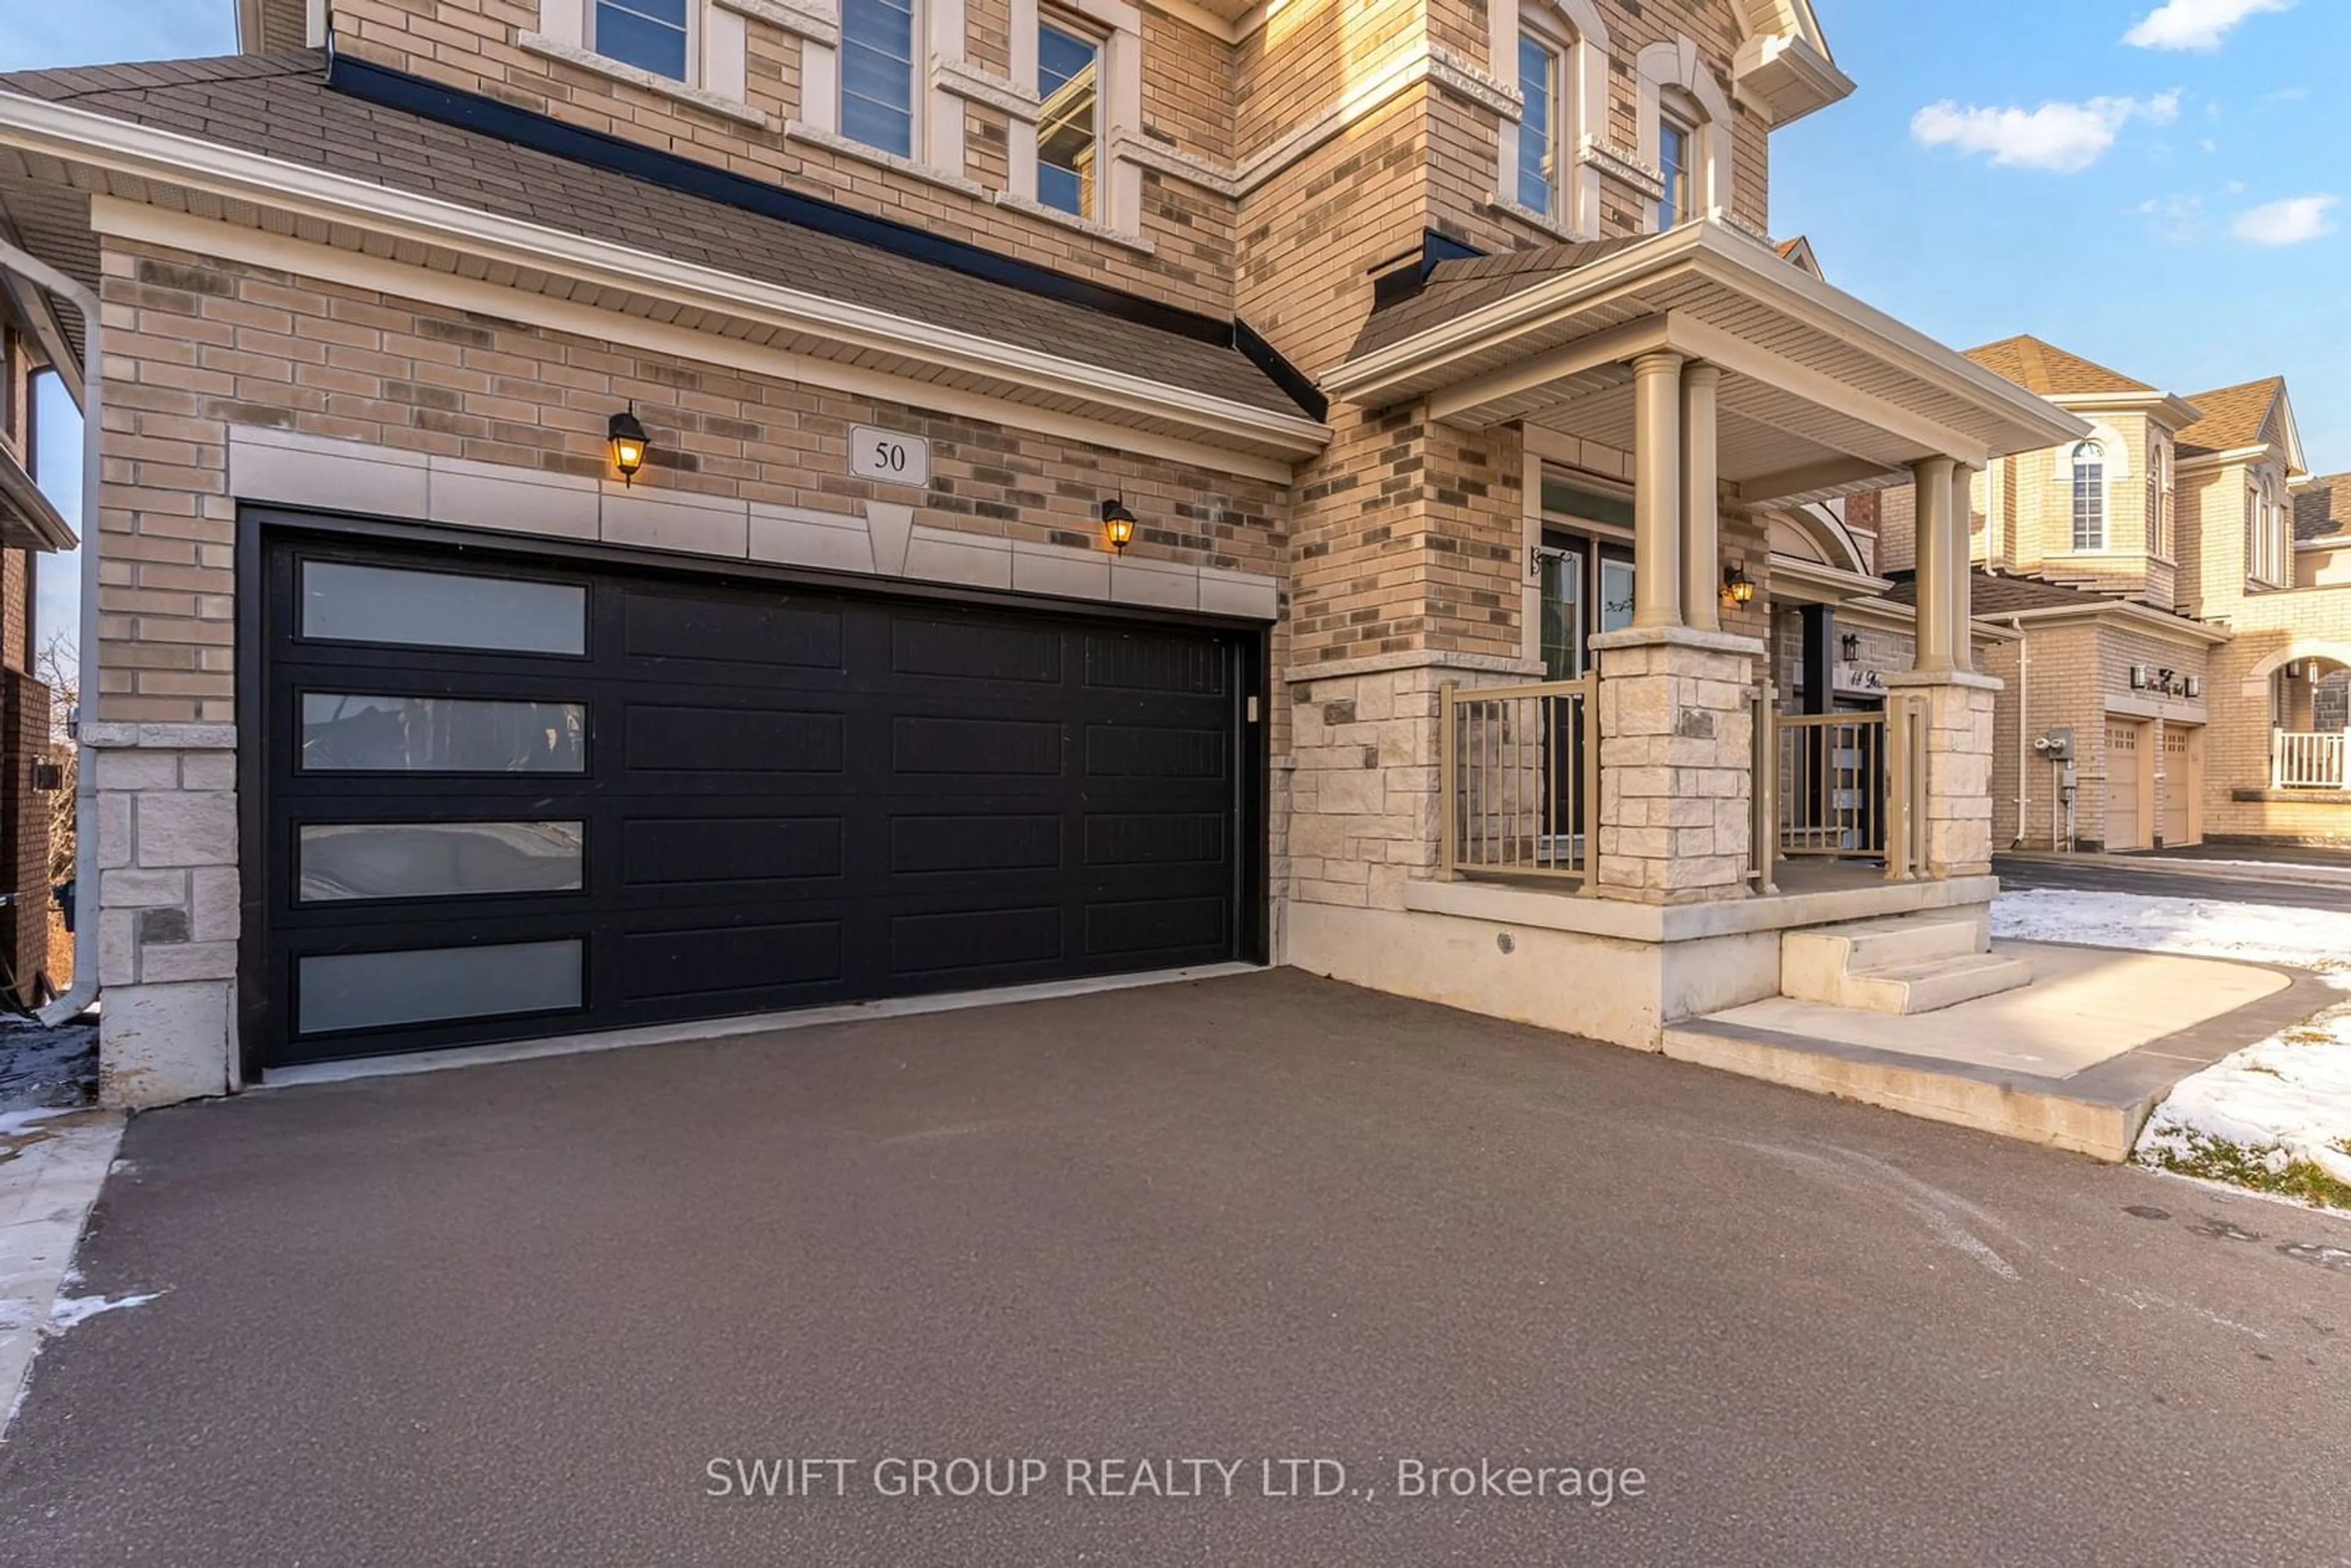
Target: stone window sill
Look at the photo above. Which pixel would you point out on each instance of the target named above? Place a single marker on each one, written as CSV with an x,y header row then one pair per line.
x,y
619,70
849,147
1037,209
1546,222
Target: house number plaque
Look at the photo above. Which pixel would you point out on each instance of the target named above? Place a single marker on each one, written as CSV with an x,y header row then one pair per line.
x,y
889,456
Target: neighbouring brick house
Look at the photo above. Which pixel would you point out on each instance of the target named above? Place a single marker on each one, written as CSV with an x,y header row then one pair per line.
x,y
1094,457
2171,588
30,527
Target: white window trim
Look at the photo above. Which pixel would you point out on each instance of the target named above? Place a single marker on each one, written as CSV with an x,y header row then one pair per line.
x,y
1119,114
1075,24
716,54
2105,496
1574,28
1675,67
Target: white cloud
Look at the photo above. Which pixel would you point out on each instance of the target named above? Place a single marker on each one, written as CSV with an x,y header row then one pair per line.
x,y
2178,220
2065,137
2294,221
2196,24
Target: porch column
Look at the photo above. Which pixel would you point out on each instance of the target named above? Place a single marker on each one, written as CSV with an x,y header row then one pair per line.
x,y
1701,508
1963,504
1931,489
1940,710
1657,490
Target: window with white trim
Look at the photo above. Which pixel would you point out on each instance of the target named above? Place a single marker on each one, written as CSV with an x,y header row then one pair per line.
x,y
1068,120
1539,125
654,36
2159,500
878,100
2265,528
1676,142
2089,497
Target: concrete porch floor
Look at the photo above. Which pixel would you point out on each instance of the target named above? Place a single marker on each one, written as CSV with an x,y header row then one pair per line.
x,y
2075,1061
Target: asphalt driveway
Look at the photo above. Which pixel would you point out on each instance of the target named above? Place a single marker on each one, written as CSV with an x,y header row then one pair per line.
x,y
511,1315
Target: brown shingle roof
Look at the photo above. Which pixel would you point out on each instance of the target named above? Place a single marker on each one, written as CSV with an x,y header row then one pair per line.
x,y
2233,417
2047,370
2322,508
1457,287
280,106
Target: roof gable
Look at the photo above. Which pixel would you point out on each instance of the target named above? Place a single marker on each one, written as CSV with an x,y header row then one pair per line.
x,y
2253,413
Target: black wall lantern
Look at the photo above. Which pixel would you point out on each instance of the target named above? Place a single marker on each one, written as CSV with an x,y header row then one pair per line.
x,y
1738,588
1118,525
629,444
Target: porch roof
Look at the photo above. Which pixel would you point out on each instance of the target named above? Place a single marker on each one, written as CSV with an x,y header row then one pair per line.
x,y
1822,395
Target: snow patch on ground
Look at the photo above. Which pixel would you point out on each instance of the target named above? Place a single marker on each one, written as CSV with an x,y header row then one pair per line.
x,y
17,1124
2316,940
2284,1100
68,1311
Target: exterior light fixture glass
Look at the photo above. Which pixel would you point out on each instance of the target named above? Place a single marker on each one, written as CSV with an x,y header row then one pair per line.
x,y
1118,525
1738,588
629,444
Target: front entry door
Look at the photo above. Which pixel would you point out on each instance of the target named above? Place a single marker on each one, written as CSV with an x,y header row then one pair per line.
x,y
1587,588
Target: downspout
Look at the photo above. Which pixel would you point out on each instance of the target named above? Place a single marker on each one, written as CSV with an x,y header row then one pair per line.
x,y
84,991
2023,732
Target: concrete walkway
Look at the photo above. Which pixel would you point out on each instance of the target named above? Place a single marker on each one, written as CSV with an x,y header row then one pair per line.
x,y
52,1165
2076,1061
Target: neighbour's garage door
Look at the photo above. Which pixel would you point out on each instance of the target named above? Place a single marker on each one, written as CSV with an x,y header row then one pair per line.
x,y
504,799
2123,766
2183,780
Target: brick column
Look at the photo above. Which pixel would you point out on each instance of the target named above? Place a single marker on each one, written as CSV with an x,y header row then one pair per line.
x,y
1956,838
1677,747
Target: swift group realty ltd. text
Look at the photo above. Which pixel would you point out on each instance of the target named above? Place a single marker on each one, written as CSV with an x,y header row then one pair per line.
x,y
1121,1479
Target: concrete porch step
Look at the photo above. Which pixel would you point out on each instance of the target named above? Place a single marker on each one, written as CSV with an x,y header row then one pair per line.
x,y
1923,988
1816,963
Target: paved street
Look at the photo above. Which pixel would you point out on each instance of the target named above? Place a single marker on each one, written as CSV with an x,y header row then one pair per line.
x,y
2018,874
510,1314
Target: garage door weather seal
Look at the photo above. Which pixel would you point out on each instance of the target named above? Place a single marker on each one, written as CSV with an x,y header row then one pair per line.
x,y
343,1071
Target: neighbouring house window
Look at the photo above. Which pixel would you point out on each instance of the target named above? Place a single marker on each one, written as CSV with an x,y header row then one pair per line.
x,y
877,74
1539,78
1069,125
648,34
2089,497
1673,160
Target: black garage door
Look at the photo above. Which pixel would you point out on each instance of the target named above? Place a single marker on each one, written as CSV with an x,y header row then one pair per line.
x,y
504,797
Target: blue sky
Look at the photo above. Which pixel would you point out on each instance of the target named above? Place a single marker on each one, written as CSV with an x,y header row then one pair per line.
x,y
2159,184
2178,207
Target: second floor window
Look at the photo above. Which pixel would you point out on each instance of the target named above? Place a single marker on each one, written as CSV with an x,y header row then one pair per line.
x,y
650,34
1539,125
1069,125
2089,497
1674,141
877,73
2158,502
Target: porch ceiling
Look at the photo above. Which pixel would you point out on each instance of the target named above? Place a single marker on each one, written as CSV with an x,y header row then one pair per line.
x,y
1821,394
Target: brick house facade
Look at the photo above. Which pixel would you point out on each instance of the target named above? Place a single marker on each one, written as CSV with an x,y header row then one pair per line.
x,y
368,304
2172,584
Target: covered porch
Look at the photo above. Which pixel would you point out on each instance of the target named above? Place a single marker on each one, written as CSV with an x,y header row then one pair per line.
x,y
1622,824
1732,388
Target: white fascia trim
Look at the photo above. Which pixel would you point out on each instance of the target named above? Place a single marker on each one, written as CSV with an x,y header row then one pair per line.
x,y
2177,412
283,253
1207,21
1737,262
619,70
1835,583
143,152
818,22
2325,542
2247,454
2135,616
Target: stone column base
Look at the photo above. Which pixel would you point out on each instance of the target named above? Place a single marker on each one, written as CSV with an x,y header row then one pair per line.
x,y
1956,838
1676,765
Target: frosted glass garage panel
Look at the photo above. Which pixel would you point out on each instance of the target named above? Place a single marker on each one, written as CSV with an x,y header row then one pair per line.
x,y
337,991
437,860
342,602
347,732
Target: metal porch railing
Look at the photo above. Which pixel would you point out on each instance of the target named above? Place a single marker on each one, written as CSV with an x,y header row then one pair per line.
x,y
2307,760
1519,779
